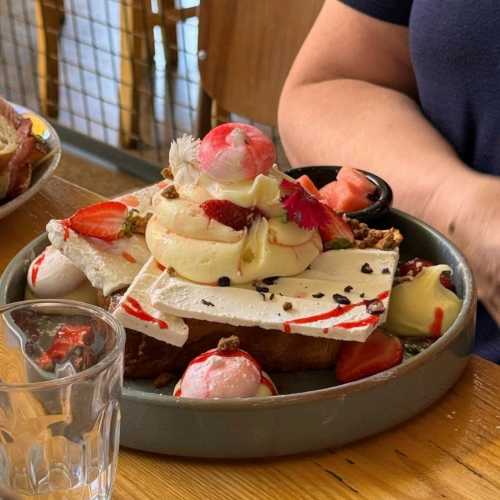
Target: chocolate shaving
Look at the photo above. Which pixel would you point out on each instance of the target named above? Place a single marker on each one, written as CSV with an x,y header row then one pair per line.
x,y
348,289
386,270
271,280
271,297
366,268
207,303
262,289
224,281
341,299
318,295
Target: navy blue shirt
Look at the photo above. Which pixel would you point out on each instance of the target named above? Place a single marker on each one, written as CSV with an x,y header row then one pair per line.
x,y
455,53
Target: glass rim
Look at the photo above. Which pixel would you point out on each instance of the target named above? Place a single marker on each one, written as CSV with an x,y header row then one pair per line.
x,y
105,362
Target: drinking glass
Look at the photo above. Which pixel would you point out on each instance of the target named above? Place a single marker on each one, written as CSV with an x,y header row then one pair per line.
x,y
61,371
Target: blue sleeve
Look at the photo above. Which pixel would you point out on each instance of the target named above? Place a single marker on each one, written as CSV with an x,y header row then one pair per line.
x,y
392,11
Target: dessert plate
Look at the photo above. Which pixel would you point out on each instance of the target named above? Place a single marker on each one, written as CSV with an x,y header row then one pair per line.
x,y
312,412
43,171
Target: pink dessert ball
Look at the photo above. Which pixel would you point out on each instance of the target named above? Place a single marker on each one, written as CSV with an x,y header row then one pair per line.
x,y
235,152
220,376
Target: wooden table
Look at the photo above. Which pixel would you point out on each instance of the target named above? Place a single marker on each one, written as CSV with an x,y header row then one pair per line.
x,y
451,451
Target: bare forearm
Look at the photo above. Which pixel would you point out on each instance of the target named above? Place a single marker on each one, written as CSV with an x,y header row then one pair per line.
x,y
378,129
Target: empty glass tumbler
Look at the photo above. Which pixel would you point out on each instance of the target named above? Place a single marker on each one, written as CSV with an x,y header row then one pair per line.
x,y
61,370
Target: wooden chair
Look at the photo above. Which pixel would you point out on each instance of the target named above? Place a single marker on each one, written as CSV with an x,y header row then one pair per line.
x,y
246,48
137,21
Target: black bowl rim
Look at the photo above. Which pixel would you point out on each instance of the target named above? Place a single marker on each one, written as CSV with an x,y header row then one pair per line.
x,y
465,315
375,210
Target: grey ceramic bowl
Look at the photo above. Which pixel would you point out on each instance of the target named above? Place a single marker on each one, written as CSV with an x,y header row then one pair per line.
x,y
312,413
42,172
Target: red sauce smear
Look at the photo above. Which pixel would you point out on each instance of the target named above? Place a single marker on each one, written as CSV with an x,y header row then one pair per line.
x,y
135,309
65,224
347,325
36,268
68,337
129,257
335,313
437,325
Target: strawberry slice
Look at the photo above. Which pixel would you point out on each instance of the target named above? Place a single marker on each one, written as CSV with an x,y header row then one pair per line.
x,y
414,266
335,232
357,360
108,220
228,213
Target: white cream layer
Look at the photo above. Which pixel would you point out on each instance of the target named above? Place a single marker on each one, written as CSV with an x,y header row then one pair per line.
x,y
330,273
165,327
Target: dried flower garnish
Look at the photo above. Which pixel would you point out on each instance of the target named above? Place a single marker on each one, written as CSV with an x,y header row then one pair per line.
x,y
271,280
305,210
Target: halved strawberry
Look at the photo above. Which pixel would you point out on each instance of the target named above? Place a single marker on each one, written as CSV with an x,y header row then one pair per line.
x,y
357,360
306,182
228,213
335,232
108,220
414,266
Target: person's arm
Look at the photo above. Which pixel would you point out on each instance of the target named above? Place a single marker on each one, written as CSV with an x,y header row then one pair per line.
x,y
350,99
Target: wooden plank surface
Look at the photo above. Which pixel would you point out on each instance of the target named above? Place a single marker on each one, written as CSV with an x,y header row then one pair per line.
x,y
450,451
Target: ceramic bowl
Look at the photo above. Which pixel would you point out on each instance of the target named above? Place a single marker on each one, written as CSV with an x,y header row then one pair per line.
x,y
42,172
312,412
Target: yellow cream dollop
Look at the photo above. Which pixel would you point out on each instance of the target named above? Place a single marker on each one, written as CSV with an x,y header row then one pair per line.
x,y
414,304
200,249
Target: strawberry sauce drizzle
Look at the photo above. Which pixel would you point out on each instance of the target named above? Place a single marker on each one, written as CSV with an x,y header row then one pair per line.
x,y
337,312
65,224
437,325
160,266
36,268
135,309
129,257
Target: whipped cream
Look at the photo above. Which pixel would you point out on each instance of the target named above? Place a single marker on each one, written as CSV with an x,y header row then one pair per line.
x,y
51,275
317,316
109,266
141,200
136,312
423,306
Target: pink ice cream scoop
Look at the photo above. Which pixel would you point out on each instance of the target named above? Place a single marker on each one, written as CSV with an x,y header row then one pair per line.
x,y
224,372
235,152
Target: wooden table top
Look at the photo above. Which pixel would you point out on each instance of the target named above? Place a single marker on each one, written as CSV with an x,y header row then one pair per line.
x,y
450,451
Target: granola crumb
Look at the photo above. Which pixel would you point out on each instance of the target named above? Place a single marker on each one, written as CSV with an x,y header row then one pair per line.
x,y
171,271
226,344
167,173
170,193
138,222
287,306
